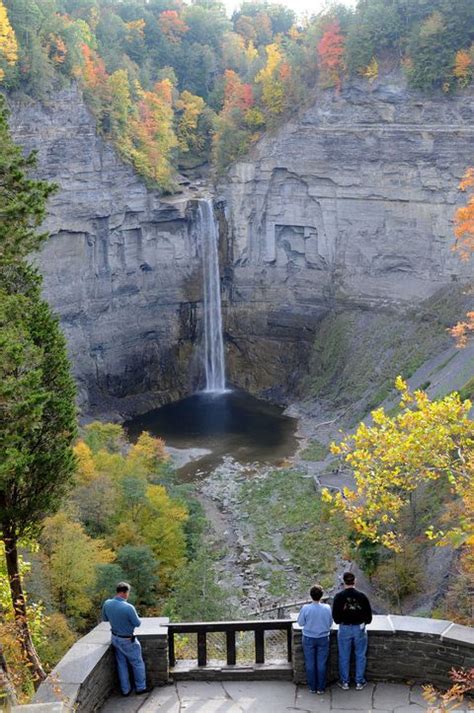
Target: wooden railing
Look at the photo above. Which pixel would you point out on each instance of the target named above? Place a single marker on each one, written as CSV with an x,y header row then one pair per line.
x,y
230,628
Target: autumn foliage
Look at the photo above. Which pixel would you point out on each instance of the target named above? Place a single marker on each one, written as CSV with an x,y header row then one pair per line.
x,y
331,56
8,43
464,246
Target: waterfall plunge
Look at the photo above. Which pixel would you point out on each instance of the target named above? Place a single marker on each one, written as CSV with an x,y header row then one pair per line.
x,y
213,339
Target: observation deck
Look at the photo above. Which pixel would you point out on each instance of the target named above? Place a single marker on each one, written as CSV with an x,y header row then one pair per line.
x,y
255,667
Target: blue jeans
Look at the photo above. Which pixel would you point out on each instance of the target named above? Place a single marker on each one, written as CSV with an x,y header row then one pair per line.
x,y
352,635
316,652
129,652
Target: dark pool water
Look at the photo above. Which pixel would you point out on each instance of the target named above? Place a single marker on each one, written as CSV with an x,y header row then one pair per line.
x,y
233,423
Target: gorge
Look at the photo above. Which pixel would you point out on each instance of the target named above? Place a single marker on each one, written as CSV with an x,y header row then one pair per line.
x,y
347,208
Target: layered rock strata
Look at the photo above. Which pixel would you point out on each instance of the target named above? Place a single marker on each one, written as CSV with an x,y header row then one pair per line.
x,y
122,267
347,206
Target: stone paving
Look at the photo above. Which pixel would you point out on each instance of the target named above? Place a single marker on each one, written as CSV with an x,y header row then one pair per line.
x,y
270,697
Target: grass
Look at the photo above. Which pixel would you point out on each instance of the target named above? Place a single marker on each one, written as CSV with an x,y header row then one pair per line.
x,y
314,451
467,391
288,518
357,355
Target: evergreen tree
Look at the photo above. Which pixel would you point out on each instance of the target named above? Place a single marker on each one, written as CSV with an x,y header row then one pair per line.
x,y
37,412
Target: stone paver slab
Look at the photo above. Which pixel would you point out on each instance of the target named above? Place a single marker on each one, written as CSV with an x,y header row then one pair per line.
x,y
162,700
305,700
205,690
352,699
281,693
271,697
416,696
391,695
122,704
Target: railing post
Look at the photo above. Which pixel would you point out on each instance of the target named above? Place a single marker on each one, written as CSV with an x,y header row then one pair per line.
x,y
230,645
259,646
202,648
171,653
289,643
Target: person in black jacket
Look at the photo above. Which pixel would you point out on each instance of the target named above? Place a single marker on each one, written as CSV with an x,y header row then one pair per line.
x,y
352,611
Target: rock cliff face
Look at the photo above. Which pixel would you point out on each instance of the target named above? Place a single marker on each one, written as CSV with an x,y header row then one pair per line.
x,y
347,206
121,268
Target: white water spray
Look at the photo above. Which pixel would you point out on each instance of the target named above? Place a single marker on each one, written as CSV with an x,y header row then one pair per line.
x,y
213,338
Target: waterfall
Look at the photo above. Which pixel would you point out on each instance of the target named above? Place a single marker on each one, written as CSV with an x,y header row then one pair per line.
x,y
213,338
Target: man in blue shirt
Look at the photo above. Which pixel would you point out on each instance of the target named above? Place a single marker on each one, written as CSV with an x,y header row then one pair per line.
x,y
316,620
123,619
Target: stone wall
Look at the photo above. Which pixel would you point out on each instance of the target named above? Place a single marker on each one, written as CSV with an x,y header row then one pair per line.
x,y
86,676
400,649
403,648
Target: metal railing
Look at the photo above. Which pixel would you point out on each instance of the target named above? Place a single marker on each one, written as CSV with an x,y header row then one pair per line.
x,y
230,629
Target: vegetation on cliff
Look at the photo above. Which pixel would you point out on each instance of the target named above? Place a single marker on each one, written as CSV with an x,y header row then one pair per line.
x,y
37,413
171,83
399,463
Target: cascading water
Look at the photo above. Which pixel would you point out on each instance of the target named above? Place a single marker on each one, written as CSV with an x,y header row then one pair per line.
x,y
213,338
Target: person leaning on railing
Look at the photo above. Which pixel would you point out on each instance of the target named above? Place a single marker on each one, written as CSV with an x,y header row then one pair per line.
x,y
123,620
352,611
316,621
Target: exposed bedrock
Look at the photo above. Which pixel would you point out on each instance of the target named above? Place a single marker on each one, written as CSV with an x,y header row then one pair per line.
x,y
122,267
347,206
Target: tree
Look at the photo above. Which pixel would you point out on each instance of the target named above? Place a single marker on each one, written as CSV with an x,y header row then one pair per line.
x,y
153,136
37,411
273,88
73,558
140,566
464,246
172,25
427,441
190,107
331,56
8,43
463,67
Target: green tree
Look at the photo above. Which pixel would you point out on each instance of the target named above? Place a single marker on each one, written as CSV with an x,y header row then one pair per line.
x,y
37,411
141,568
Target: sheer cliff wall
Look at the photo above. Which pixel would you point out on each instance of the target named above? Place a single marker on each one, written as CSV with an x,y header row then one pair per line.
x,y
121,269
349,206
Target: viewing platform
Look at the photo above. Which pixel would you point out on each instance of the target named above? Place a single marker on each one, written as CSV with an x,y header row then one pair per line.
x,y
255,667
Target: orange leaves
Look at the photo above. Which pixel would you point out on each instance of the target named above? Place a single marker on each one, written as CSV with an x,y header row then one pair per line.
x,y
464,219
331,56
93,71
172,25
463,67
152,134
462,331
236,93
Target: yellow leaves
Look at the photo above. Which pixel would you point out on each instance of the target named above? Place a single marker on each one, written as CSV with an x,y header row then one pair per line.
x,y
371,71
273,93
8,43
190,107
86,471
393,457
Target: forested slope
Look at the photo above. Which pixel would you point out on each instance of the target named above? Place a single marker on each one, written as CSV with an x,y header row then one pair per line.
x,y
174,84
